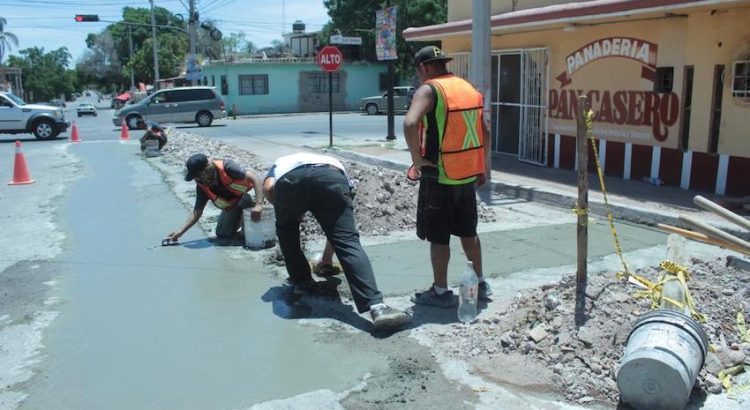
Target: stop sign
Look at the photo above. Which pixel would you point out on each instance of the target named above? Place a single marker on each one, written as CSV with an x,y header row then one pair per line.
x,y
330,59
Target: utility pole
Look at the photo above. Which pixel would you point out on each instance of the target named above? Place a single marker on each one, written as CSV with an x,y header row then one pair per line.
x,y
132,69
192,35
156,45
480,61
391,127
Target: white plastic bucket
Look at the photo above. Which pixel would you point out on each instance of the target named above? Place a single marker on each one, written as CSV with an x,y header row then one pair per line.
x,y
152,148
664,353
261,234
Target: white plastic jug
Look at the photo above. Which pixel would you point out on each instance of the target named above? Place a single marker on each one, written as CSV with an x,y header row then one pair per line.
x,y
261,234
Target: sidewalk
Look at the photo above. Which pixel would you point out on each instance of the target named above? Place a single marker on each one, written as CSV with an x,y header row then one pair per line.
x,y
633,201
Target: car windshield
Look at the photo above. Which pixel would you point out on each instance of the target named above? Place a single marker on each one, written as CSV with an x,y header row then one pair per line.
x,y
15,99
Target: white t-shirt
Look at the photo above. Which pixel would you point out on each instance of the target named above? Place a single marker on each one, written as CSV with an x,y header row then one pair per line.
x,y
290,162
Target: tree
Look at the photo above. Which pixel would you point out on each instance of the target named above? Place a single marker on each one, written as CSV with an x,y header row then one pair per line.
x,y
109,62
6,39
357,18
45,74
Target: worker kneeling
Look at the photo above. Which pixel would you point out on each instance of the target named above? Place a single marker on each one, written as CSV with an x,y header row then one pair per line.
x,y
153,140
227,185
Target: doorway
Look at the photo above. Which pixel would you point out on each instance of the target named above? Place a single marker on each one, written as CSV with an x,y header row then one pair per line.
x,y
519,104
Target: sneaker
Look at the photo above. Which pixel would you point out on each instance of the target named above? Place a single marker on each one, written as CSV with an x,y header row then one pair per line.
x,y
430,298
485,291
386,317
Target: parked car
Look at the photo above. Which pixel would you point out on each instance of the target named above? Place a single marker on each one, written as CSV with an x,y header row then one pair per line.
x,y
379,103
86,109
201,105
44,121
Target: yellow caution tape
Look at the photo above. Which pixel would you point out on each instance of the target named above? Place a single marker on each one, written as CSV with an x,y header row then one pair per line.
x,y
589,116
672,270
653,290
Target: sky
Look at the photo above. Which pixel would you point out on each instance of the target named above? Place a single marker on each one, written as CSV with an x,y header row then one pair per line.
x,y
50,23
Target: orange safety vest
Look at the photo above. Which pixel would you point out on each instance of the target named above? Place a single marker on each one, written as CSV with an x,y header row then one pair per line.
x,y
458,113
236,186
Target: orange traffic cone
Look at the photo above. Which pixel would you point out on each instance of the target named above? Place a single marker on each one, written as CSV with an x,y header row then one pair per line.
x,y
124,136
74,134
20,171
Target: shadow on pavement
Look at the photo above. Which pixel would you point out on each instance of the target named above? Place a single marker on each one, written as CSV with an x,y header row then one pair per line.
x,y
329,306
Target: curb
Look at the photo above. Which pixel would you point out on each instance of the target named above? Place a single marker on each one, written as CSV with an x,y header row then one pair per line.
x,y
535,194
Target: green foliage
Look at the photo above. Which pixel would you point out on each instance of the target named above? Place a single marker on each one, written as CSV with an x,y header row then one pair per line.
x,y
45,75
357,18
7,39
108,62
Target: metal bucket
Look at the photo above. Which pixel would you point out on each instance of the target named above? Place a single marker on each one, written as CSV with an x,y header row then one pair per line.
x,y
261,234
664,353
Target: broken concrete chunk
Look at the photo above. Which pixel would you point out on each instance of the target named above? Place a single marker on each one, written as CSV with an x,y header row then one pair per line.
x,y
586,336
538,333
713,364
713,384
730,357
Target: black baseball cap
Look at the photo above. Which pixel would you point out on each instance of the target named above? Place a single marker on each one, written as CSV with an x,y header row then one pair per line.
x,y
195,164
155,126
430,53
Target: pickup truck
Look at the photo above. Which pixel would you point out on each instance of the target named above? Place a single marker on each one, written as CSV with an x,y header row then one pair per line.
x,y
44,121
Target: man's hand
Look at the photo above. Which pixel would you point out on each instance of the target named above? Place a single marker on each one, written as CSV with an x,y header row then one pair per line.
x,y
255,212
174,236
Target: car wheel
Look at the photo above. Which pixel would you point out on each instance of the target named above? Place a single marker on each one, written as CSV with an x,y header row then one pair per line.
x,y
44,130
204,118
134,121
371,109
95,114
80,115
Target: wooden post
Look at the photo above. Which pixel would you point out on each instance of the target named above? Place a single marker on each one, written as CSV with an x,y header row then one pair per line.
x,y
582,233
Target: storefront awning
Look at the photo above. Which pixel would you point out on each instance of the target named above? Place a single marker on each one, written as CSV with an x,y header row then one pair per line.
x,y
562,15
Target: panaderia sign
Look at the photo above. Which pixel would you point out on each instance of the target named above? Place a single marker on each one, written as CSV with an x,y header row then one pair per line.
x,y
617,75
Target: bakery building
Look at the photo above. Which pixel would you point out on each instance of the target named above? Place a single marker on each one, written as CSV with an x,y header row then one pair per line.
x,y
668,80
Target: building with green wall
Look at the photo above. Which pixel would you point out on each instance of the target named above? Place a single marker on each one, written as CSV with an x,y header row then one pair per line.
x,y
285,85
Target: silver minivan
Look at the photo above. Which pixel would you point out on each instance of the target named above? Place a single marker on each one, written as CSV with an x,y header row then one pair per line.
x,y
183,104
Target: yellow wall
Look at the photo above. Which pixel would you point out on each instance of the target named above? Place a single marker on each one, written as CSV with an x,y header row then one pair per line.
x,y
692,40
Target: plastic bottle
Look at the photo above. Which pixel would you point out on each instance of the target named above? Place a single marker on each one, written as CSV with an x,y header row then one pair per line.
x,y
468,294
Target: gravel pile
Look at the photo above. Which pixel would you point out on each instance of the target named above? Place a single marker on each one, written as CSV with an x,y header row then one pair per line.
x,y
385,200
537,333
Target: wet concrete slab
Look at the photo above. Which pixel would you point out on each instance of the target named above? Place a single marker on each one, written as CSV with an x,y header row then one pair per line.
x,y
146,327
404,266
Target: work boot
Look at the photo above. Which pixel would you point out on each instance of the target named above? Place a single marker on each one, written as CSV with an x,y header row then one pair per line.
x,y
430,298
385,317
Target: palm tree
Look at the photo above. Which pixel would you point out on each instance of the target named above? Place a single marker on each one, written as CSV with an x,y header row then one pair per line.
x,y
6,39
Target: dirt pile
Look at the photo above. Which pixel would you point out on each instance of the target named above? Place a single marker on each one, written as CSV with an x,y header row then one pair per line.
x,y
385,201
537,345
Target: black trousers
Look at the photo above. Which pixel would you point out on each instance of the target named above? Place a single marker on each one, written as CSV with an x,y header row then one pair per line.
x,y
324,191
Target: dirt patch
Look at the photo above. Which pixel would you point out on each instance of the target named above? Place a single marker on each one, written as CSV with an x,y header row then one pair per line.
x,y
534,342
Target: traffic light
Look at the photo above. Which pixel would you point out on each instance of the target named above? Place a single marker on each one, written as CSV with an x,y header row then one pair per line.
x,y
87,17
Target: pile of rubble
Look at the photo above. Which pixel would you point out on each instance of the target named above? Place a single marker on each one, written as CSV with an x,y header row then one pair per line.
x,y
385,200
537,333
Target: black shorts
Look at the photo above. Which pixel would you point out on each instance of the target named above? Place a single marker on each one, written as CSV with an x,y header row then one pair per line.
x,y
445,210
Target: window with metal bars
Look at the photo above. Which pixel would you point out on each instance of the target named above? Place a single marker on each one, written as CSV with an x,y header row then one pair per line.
x,y
253,84
319,83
